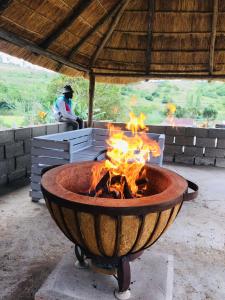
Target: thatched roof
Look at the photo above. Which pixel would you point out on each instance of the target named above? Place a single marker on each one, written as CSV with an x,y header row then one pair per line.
x,y
126,38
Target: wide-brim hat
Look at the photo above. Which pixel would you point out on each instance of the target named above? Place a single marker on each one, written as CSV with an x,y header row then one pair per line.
x,y
67,89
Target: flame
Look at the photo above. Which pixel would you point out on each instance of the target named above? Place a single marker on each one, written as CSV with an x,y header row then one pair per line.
x,y
126,155
171,109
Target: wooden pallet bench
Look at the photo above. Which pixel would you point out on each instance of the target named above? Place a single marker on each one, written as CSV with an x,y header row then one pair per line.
x,y
72,146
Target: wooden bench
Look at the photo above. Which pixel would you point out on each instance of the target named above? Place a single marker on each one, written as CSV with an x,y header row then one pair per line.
x,y
72,146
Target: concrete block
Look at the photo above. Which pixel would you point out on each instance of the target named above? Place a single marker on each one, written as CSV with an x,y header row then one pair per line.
x,y
27,146
205,142
6,136
3,167
1,152
52,128
170,130
198,132
156,129
152,278
217,133
63,127
204,161
171,149
189,160
14,149
11,165
220,162
22,133
221,143
184,140
3,179
214,152
23,161
193,151
169,139
38,130
70,127
18,174
168,158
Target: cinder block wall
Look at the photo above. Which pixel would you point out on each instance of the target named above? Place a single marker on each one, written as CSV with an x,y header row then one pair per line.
x,y
188,145
15,148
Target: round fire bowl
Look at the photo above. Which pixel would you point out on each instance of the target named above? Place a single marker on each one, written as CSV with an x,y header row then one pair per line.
x,y
112,228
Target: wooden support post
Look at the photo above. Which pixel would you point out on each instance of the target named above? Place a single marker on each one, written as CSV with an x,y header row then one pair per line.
x,y
213,37
151,7
91,98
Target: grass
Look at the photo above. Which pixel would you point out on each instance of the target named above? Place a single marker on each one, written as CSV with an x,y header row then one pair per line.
x,y
11,121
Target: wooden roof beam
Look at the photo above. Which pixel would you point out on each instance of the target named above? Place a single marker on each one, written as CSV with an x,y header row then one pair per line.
x,y
20,42
162,76
108,34
72,16
104,19
151,7
74,49
213,36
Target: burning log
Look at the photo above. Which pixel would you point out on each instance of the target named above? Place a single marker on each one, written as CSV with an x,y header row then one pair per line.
x,y
112,187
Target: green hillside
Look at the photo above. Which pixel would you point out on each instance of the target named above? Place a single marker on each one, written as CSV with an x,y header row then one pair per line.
x,y
25,92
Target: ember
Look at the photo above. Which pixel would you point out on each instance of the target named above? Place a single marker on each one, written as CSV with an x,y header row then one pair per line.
x,y
122,174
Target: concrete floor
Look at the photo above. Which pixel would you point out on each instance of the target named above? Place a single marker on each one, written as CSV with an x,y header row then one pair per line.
x,y
31,244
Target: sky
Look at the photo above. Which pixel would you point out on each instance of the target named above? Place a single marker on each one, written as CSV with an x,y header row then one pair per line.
x,y
20,62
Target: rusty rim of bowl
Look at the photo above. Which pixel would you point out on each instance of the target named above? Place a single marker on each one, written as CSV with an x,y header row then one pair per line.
x,y
169,197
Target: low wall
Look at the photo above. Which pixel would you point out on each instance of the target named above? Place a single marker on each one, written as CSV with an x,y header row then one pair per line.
x,y
15,149
188,145
193,146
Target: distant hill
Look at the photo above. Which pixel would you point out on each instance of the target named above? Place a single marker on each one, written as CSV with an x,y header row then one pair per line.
x,y
25,80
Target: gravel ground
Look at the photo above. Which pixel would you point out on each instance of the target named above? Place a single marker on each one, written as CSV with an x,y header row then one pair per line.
x,y
31,244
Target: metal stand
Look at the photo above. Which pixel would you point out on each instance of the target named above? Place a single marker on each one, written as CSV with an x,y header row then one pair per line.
x,y
81,263
121,264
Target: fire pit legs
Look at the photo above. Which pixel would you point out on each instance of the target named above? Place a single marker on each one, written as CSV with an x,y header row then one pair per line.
x,y
81,263
123,273
123,277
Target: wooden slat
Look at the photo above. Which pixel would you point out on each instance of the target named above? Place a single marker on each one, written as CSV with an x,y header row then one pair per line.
x,y
49,161
68,135
35,178
36,169
42,143
36,194
87,154
213,37
81,139
33,48
35,186
49,153
81,147
100,143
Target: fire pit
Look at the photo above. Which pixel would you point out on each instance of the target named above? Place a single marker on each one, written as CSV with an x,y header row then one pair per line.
x,y
113,232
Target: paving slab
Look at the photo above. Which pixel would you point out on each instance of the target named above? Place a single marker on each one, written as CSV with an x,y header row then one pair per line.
x,y
151,278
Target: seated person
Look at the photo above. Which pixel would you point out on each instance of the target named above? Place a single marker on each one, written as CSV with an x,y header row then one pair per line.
x,y
63,111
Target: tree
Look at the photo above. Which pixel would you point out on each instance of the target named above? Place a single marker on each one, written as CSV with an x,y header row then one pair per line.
x,y
209,113
107,103
180,112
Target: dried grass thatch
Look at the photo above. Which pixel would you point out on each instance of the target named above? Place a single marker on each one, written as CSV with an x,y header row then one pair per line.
x,y
119,40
